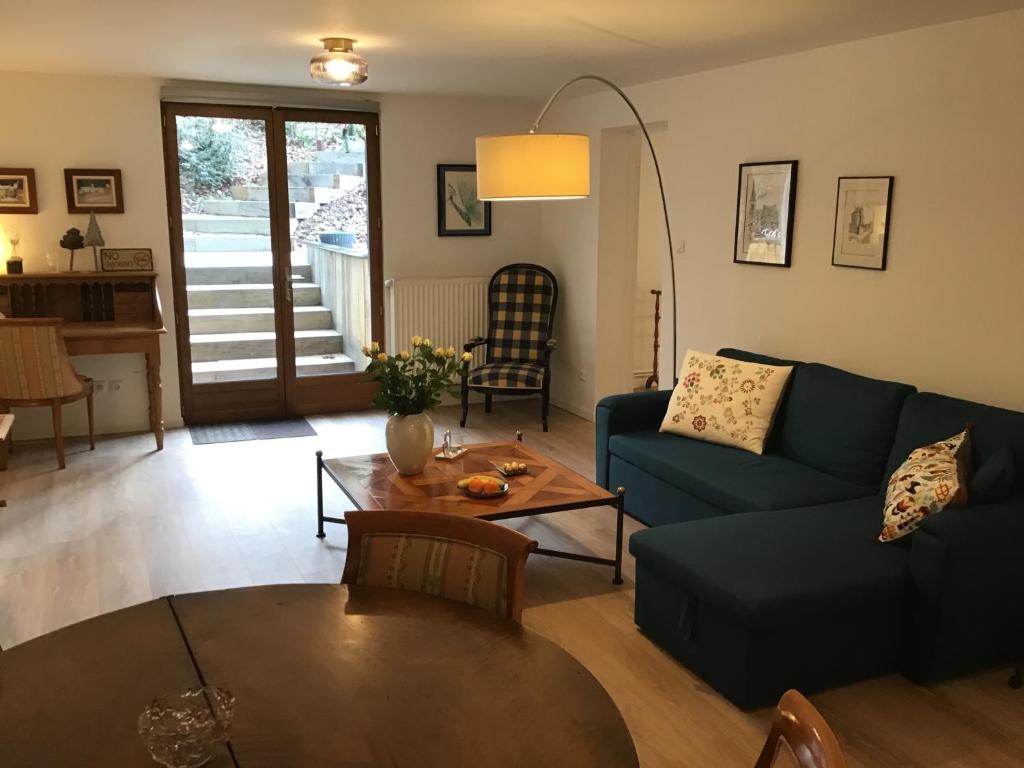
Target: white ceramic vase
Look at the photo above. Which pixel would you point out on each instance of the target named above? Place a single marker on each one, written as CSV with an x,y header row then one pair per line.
x,y
410,441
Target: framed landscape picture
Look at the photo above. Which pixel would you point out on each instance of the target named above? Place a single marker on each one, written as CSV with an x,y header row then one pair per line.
x,y
459,210
18,191
765,204
93,190
863,205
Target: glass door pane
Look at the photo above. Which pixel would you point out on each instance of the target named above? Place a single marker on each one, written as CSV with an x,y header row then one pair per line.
x,y
228,253
328,214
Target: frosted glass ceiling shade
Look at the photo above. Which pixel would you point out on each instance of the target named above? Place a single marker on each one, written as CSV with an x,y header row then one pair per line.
x,y
533,166
337,64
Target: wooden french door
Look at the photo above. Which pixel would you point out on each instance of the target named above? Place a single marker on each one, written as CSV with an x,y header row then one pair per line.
x,y
275,230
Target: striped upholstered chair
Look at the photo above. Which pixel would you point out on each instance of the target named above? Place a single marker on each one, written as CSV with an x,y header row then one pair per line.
x,y
458,558
521,301
35,370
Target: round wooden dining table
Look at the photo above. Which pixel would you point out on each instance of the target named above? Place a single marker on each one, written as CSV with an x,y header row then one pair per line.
x,y
323,674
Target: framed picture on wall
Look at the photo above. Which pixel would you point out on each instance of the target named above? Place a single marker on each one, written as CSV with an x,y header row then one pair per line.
x,y
459,210
765,203
863,205
93,191
18,191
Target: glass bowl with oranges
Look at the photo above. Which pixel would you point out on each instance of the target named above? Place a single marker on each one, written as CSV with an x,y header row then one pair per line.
x,y
483,486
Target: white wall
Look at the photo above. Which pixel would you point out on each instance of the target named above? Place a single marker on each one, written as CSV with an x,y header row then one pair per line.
x,y
939,108
52,122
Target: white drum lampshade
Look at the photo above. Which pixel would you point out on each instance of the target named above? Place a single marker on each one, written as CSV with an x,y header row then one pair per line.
x,y
533,166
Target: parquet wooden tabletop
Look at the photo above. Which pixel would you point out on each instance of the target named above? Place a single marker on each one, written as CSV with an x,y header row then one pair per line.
x,y
372,482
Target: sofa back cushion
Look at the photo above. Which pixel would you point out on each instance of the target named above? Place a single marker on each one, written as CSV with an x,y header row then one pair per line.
x,y
841,423
927,417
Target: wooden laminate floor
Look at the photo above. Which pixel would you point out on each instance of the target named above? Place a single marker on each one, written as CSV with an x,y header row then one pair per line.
x,y
124,524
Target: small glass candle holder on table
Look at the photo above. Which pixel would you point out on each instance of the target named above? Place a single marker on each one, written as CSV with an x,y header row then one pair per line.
x,y
181,731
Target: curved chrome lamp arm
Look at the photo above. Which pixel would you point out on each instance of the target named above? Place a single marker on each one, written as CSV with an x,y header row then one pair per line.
x,y
657,171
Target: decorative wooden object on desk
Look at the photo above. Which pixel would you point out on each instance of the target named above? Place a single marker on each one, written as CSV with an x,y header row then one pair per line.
x,y
104,314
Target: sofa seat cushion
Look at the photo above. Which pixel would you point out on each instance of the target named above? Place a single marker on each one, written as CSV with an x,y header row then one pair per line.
x,y
732,479
785,563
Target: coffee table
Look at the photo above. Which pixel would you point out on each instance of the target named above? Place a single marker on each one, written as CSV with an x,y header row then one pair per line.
x,y
372,482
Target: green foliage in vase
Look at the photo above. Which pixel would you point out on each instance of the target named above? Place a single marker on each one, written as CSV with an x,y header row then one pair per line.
x,y
413,382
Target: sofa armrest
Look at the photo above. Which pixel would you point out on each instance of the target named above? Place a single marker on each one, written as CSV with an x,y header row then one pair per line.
x,y
626,413
967,575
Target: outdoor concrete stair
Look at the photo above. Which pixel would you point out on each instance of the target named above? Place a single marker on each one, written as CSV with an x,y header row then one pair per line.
x,y
356,154
243,295
209,347
352,166
255,208
301,194
216,224
204,241
244,273
265,367
251,319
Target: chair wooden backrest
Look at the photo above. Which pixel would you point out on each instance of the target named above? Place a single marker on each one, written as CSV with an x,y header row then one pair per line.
x,y
34,363
801,727
521,301
472,561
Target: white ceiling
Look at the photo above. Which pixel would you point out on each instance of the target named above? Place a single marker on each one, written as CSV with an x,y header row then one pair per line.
x,y
503,48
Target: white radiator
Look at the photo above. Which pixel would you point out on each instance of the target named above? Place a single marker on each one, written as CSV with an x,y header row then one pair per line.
x,y
448,311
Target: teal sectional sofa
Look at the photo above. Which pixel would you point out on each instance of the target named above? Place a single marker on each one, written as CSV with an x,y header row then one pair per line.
x,y
763,573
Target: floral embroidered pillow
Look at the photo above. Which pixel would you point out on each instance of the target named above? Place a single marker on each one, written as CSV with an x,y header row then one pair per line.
x,y
725,401
932,478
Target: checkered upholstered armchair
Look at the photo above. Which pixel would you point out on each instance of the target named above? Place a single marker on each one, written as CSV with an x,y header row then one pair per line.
x,y
521,301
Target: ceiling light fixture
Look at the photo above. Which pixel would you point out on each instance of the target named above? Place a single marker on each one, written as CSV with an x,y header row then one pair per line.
x,y
337,64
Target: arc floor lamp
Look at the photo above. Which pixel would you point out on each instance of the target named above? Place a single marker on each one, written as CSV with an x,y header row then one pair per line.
x,y
556,166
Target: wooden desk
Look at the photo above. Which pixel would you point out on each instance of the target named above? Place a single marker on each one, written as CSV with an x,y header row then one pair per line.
x,y
323,674
105,313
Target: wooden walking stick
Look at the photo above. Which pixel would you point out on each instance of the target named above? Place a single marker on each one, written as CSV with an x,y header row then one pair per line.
x,y
652,380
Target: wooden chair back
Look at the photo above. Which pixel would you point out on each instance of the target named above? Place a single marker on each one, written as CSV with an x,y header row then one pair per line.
x,y
521,301
34,363
472,561
802,728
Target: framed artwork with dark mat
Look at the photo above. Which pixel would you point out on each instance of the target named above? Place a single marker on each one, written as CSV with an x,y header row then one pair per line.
x,y
459,210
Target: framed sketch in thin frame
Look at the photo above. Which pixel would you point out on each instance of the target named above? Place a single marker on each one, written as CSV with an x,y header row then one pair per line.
x,y
765,204
126,259
94,190
459,210
863,208
18,191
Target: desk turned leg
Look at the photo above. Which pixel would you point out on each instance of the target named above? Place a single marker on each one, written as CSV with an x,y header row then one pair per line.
x,y
156,416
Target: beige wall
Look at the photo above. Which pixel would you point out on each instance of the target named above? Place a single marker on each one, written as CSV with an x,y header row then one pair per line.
x,y
939,108
52,122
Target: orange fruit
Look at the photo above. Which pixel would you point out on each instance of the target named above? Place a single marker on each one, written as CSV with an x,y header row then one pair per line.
x,y
475,485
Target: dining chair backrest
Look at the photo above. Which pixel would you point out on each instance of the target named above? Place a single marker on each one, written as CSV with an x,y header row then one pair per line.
x,y
34,363
798,725
472,561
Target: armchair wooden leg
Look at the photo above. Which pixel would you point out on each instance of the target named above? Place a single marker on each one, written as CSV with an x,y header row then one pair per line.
x,y
58,432
487,402
545,406
465,404
92,431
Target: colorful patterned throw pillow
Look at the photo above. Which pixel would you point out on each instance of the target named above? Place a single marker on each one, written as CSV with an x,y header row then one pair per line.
x,y
932,478
725,401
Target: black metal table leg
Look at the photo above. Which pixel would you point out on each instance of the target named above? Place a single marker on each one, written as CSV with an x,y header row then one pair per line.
x,y
620,510
320,495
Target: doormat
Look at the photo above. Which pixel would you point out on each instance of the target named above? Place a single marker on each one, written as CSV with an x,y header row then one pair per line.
x,y
236,432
